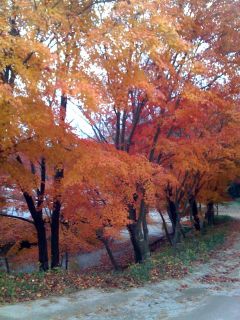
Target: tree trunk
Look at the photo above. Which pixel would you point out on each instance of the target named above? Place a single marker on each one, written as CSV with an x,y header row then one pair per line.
x,y
142,243
55,235
178,228
110,254
42,244
100,237
132,232
194,212
117,137
145,227
139,233
172,213
177,234
7,264
41,232
165,228
66,260
142,232
131,229
139,242
59,173
210,213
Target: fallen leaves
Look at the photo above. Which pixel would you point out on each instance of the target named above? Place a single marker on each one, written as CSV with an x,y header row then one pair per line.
x,y
212,279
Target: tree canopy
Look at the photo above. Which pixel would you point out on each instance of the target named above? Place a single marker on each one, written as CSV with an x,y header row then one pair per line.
x,y
158,84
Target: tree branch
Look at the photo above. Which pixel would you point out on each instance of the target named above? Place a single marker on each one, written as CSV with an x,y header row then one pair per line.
x,y
15,217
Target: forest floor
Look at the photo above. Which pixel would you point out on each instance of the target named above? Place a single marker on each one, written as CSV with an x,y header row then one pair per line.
x,y
210,290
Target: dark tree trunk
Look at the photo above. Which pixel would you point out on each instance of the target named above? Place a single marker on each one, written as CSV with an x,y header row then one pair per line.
x,y
55,221
110,254
142,243
137,251
178,230
101,237
139,233
7,265
59,173
194,212
55,235
178,233
61,260
132,232
210,213
123,132
145,227
165,228
66,260
41,232
117,137
42,244
142,231
172,213
155,139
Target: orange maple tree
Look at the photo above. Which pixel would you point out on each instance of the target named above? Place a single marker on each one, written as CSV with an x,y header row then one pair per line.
x,y
158,81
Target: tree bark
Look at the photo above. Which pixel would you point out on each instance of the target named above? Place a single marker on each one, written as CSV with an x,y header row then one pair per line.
x,y
145,228
177,233
142,244
139,234
66,260
55,235
123,131
136,249
165,228
110,254
172,213
59,173
194,212
178,230
105,242
210,213
117,137
155,139
7,264
41,232
42,244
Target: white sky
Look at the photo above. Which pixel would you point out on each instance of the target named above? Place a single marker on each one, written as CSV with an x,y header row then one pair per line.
x,y
75,118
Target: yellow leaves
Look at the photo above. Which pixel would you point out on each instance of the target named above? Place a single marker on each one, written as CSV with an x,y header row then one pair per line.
x,y
82,88
199,68
168,32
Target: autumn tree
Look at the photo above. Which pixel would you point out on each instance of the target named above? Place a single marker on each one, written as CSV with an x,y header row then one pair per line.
x,y
151,87
138,32
100,189
39,47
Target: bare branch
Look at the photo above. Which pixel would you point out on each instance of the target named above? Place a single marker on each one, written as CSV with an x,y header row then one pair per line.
x,y
16,217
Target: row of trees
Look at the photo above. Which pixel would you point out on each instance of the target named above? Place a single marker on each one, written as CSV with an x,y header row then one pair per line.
x,y
158,83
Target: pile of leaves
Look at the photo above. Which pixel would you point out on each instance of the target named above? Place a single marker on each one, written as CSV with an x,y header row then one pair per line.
x,y
26,286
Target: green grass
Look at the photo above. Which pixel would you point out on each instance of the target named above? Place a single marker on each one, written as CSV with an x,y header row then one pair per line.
x,y
13,286
221,219
175,262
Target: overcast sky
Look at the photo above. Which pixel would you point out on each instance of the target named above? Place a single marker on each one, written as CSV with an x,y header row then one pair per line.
x,y
77,121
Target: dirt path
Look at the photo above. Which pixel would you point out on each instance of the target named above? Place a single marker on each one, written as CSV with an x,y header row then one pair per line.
x,y
211,291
